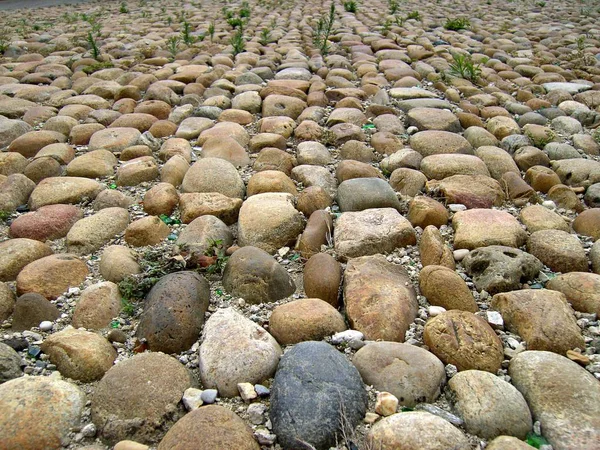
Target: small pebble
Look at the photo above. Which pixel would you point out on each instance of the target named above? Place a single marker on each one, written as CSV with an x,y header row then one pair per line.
x,y
456,207
346,336
435,310
386,404
46,325
192,399
460,254
209,396
247,391
261,390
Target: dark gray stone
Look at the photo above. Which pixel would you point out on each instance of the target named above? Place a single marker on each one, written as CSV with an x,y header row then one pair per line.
x,y
174,312
359,194
514,142
31,309
314,386
210,112
500,269
592,196
254,275
10,363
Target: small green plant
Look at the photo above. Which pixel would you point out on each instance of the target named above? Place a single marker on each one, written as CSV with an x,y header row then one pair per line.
x,y
238,42
123,8
186,33
93,45
4,40
462,66
540,4
235,22
414,15
173,46
457,24
127,306
211,31
4,215
350,6
97,66
394,6
323,31
216,252
244,11
387,26
265,36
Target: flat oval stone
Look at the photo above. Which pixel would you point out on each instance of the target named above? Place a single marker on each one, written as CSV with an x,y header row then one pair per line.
x,y
465,340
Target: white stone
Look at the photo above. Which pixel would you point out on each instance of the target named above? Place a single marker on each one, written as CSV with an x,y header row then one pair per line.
x,y
435,310
247,391
192,399
346,336
456,207
386,404
494,318
46,325
460,254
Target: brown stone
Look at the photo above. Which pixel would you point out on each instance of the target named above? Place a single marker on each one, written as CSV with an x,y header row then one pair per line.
x,y
444,287
434,250
16,253
322,278
380,300
425,211
98,305
150,230
80,355
559,250
465,340
162,198
208,428
473,191
52,275
582,290
213,203
309,319
482,227
318,232
541,317
587,223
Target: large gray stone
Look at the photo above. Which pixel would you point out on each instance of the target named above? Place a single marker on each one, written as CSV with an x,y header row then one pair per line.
x,y
314,388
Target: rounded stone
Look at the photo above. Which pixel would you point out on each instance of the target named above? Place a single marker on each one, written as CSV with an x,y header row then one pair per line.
x,y
489,406
314,388
254,275
427,432
43,411
150,230
118,262
32,309
97,306
322,278
47,223
15,254
137,396
208,428
559,250
444,287
52,275
410,373
214,175
174,312
309,319
235,350
464,340
80,355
